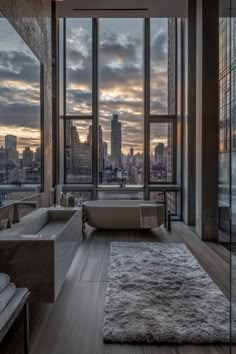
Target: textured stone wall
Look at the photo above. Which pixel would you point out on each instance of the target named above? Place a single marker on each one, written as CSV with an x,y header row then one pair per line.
x,y
32,20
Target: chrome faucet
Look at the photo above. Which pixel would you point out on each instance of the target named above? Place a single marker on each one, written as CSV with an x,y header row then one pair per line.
x,y
16,216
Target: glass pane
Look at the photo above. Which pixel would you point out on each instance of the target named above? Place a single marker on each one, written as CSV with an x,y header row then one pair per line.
x,y
78,151
172,202
162,66
20,115
81,196
121,101
79,66
161,152
224,130
233,137
233,169
120,195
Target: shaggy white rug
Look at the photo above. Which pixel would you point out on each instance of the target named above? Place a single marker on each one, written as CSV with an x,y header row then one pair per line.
x,y
158,293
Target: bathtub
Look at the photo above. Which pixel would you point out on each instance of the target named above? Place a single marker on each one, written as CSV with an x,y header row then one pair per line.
x,y
118,214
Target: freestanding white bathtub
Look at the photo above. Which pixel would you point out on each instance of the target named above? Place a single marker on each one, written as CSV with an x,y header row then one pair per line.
x,y
118,214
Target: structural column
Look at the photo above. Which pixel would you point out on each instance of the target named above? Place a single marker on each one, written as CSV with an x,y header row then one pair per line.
x,y
189,116
207,113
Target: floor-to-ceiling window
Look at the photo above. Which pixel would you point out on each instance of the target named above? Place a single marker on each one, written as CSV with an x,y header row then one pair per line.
x,y
224,125
227,141
120,135
121,104
78,103
20,117
233,166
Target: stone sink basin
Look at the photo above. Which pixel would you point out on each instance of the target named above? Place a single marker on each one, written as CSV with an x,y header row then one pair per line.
x,y
38,251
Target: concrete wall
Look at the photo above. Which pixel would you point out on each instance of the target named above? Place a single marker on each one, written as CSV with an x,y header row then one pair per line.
x,y
32,20
207,118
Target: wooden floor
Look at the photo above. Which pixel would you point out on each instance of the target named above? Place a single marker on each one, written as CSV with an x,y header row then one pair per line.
x,y
73,325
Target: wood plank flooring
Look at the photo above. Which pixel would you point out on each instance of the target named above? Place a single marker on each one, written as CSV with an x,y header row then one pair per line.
x,y
73,325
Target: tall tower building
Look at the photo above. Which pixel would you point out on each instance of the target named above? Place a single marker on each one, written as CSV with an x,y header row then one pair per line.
x,y
159,154
105,148
11,142
89,136
171,197
100,149
116,140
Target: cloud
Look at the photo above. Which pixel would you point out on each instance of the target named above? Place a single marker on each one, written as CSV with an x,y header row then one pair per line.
x,y
17,66
120,75
115,51
20,115
120,82
159,49
19,92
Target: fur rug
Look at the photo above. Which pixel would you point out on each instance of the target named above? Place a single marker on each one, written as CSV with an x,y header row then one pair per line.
x,y
158,293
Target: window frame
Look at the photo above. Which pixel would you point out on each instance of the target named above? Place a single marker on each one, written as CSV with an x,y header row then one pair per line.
x,y
28,187
147,186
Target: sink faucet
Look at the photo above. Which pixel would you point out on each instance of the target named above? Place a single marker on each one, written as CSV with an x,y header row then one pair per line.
x,y
16,216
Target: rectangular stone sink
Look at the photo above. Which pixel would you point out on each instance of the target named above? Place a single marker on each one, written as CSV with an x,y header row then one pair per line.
x,y
38,251
43,221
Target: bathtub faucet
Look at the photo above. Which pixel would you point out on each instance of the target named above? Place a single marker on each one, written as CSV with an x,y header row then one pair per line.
x,y
16,216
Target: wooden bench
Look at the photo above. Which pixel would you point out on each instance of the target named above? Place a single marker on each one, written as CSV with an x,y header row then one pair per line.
x,y
8,316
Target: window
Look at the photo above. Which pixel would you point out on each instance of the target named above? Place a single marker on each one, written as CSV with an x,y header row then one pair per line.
x,y
120,82
120,195
78,151
79,66
172,200
162,66
107,95
161,152
20,115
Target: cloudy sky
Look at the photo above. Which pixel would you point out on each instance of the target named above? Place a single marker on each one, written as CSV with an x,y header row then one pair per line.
x,y
121,49
19,89
120,79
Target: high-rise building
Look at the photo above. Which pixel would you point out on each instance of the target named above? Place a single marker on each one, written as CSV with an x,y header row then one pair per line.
x,y
28,155
159,154
132,151
38,155
116,140
171,197
100,149
90,134
11,142
105,148
3,164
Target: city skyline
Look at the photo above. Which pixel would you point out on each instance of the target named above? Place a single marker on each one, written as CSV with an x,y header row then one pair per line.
x,y
114,167
18,168
20,89
8,140
120,74
120,78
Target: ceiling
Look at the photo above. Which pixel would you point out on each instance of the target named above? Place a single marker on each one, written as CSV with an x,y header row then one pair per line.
x,y
122,8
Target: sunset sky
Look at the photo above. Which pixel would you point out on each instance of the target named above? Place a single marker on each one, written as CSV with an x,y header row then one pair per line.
x,y
120,75
121,49
19,89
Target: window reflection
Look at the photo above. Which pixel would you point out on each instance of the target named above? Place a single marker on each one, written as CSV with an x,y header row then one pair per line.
x,y
20,114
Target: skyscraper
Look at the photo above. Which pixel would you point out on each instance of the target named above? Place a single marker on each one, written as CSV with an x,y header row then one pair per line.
x,y
28,156
171,197
116,140
100,149
11,142
159,154
105,148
